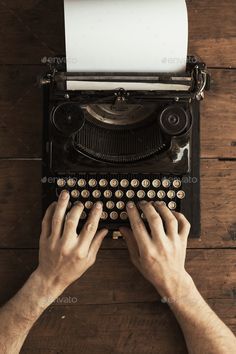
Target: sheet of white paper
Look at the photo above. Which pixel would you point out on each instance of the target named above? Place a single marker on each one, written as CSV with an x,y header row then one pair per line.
x,y
131,86
126,35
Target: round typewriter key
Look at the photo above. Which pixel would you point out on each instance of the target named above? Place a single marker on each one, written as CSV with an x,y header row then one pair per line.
x,y
104,215
96,194
120,205
146,183
151,194
134,183
119,194
172,205
166,183
141,194
110,204
123,215
177,183
114,183
130,194
124,183
107,194
75,193
88,205
156,183
161,194
85,193
83,215
82,183
61,182
71,182
181,194
171,194
103,183
114,215
92,182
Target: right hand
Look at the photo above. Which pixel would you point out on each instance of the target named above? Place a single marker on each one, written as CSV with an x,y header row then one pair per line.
x,y
160,256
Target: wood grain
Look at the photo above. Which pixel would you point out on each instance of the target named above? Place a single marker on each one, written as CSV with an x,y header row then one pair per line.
x,y
124,313
20,212
21,114
35,29
116,280
116,329
112,308
21,111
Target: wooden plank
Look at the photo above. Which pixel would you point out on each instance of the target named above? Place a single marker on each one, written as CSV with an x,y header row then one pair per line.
x,y
124,313
21,114
212,31
105,329
116,280
218,129
123,328
35,29
20,185
21,111
31,31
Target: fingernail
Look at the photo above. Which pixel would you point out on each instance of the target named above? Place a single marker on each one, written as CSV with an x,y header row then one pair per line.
x,y
64,195
99,205
130,205
143,202
79,204
159,203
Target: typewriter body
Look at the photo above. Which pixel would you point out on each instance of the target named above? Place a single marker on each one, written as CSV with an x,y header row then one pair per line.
x,y
137,138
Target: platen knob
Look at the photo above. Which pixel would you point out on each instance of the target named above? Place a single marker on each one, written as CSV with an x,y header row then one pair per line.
x,y
174,120
68,118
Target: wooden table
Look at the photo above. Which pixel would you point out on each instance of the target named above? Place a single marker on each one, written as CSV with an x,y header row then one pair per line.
x,y
112,309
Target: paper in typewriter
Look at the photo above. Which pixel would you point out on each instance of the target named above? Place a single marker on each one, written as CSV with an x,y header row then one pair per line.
x,y
126,36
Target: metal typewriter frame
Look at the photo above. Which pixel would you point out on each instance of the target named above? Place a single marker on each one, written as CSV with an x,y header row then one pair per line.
x,y
54,84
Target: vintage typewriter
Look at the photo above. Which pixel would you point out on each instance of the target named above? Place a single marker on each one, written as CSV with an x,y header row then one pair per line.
x,y
138,140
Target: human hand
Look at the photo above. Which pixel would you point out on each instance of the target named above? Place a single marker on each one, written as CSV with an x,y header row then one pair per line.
x,y
160,255
64,256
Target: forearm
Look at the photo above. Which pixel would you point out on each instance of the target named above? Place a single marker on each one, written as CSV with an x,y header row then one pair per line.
x,y
21,312
203,330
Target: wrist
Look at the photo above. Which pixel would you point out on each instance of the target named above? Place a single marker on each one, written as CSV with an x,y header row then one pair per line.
x,y
32,299
48,289
177,288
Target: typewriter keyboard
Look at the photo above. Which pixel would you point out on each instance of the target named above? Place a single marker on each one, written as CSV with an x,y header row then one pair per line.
x,y
115,193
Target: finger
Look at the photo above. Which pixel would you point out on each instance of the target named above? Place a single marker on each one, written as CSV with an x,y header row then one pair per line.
x,y
90,228
72,221
139,230
184,225
96,243
59,215
47,222
170,221
154,221
131,243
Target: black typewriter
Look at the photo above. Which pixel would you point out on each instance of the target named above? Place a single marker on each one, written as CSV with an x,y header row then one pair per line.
x,y
118,145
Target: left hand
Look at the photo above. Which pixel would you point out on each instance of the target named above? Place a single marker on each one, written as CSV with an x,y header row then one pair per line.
x,y
64,255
